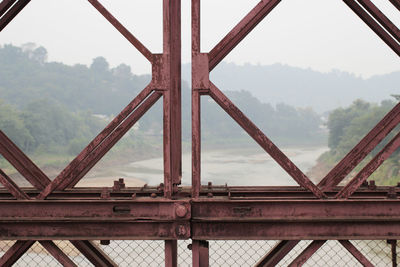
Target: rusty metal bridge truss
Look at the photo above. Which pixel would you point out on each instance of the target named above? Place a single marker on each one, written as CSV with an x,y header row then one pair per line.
x,y
56,210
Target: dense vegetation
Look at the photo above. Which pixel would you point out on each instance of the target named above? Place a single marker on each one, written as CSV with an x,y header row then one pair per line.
x,y
347,126
52,108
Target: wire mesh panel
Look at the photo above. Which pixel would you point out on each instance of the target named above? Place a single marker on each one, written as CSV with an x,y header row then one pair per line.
x,y
378,252
238,253
221,253
136,253
5,245
332,253
37,256
184,253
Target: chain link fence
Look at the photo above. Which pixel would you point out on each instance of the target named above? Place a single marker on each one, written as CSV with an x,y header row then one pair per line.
x,y
221,253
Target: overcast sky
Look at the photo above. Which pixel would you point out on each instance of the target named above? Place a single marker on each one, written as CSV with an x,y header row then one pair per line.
x,y
317,34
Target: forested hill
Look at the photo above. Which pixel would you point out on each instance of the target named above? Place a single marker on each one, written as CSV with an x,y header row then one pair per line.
x,y
303,87
45,103
347,126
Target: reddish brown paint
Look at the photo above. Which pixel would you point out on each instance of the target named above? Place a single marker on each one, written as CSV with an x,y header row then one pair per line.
x,y
11,13
276,254
307,253
226,212
362,149
57,253
5,5
356,253
386,37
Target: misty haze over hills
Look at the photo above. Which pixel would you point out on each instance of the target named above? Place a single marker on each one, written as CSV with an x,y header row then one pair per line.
x,y
302,87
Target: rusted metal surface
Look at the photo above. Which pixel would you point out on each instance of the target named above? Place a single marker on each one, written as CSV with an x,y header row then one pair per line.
x,y
264,142
370,21
200,251
307,253
10,14
362,149
277,253
57,210
240,31
5,5
95,255
22,163
13,254
374,164
356,253
57,253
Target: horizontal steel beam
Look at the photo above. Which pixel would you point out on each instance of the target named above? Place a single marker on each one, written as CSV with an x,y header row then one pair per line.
x,y
230,192
92,230
206,210
312,230
94,211
201,219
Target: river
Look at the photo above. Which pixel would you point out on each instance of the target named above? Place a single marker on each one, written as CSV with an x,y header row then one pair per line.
x,y
233,166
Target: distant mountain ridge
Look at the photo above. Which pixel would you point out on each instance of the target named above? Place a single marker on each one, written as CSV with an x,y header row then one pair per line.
x,y
299,87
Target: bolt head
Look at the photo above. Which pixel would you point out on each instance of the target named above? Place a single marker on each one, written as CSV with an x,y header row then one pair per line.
x,y
181,211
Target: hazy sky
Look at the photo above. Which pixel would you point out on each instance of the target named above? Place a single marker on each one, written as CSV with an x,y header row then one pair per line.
x,y
318,34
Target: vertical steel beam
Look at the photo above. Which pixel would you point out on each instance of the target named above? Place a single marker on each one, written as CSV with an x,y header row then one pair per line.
x,y
12,12
306,254
356,253
277,253
196,103
393,244
200,253
172,95
171,253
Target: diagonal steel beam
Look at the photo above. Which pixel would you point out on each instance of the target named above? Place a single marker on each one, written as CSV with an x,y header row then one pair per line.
x,y
14,253
5,5
91,251
86,164
12,13
103,136
57,253
381,18
264,142
277,253
22,163
240,31
356,253
13,188
396,3
95,255
124,31
363,175
306,254
361,150
387,38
